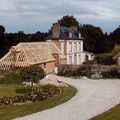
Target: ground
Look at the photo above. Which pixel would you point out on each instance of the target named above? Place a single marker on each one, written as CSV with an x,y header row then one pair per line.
x,y
94,97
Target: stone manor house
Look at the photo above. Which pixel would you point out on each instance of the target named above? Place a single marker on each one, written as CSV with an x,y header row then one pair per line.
x,y
63,45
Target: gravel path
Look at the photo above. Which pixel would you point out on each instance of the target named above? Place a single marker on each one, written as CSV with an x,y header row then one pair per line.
x,y
93,97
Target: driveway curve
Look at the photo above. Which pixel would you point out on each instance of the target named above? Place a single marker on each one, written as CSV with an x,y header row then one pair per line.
x,y
94,97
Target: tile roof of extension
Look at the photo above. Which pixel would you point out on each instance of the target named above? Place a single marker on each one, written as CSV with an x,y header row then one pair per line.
x,y
116,56
64,34
34,52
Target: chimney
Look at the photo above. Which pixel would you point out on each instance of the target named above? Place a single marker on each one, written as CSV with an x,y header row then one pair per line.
x,y
74,28
55,30
79,35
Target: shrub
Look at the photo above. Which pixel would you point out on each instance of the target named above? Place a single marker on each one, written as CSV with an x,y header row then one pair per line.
x,y
106,74
113,73
50,89
66,72
32,74
83,71
11,78
89,62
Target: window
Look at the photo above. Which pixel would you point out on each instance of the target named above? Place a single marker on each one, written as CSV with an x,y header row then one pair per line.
x,y
70,59
79,46
75,46
70,46
75,59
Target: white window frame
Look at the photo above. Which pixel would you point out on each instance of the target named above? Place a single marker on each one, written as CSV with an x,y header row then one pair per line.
x,y
70,59
79,46
70,46
75,46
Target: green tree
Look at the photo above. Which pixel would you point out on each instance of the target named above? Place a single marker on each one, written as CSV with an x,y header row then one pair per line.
x,y
68,21
2,30
94,39
114,37
32,74
2,41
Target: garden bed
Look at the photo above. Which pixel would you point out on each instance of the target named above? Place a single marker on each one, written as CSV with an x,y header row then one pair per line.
x,y
9,112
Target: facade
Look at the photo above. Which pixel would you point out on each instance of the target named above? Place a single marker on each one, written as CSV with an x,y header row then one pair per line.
x,y
44,54
70,42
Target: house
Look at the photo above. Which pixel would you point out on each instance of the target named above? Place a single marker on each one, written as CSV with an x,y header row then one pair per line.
x,y
63,45
70,42
44,54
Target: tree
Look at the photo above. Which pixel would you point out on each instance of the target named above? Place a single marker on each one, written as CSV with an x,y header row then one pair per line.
x,y
2,30
32,74
39,36
2,40
114,37
68,21
94,39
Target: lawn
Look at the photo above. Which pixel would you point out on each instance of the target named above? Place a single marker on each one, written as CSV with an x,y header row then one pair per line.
x,y
8,90
12,111
112,114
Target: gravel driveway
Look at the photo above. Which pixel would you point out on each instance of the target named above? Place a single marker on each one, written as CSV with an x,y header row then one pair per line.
x,y
93,97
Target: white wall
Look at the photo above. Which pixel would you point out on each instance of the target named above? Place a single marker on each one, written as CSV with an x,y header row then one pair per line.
x,y
81,55
62,47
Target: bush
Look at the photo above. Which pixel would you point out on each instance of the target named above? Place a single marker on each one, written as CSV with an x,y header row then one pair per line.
x,y
45,92
50,89
89,62
11,78
113,73
66,72
83,71
32,74
106,74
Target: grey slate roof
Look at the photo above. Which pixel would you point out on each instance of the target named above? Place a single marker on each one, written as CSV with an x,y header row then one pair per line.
x,y
64,34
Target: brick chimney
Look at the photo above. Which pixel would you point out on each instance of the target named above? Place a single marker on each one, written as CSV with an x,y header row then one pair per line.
x,y
55,30
74,28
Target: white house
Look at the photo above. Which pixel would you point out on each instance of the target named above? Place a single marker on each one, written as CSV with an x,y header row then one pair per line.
x,y
70,42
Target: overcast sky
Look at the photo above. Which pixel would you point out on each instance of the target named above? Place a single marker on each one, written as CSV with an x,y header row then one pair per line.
x,y
38,15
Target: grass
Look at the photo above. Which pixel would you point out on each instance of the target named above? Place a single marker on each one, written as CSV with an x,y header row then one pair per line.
x,y
112,114
12,111
8,90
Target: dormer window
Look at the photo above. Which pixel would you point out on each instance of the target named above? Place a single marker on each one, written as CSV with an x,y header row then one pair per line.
x,y
70,34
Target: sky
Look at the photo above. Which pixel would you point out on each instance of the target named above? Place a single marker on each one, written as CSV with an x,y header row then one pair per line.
x,y
38,15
